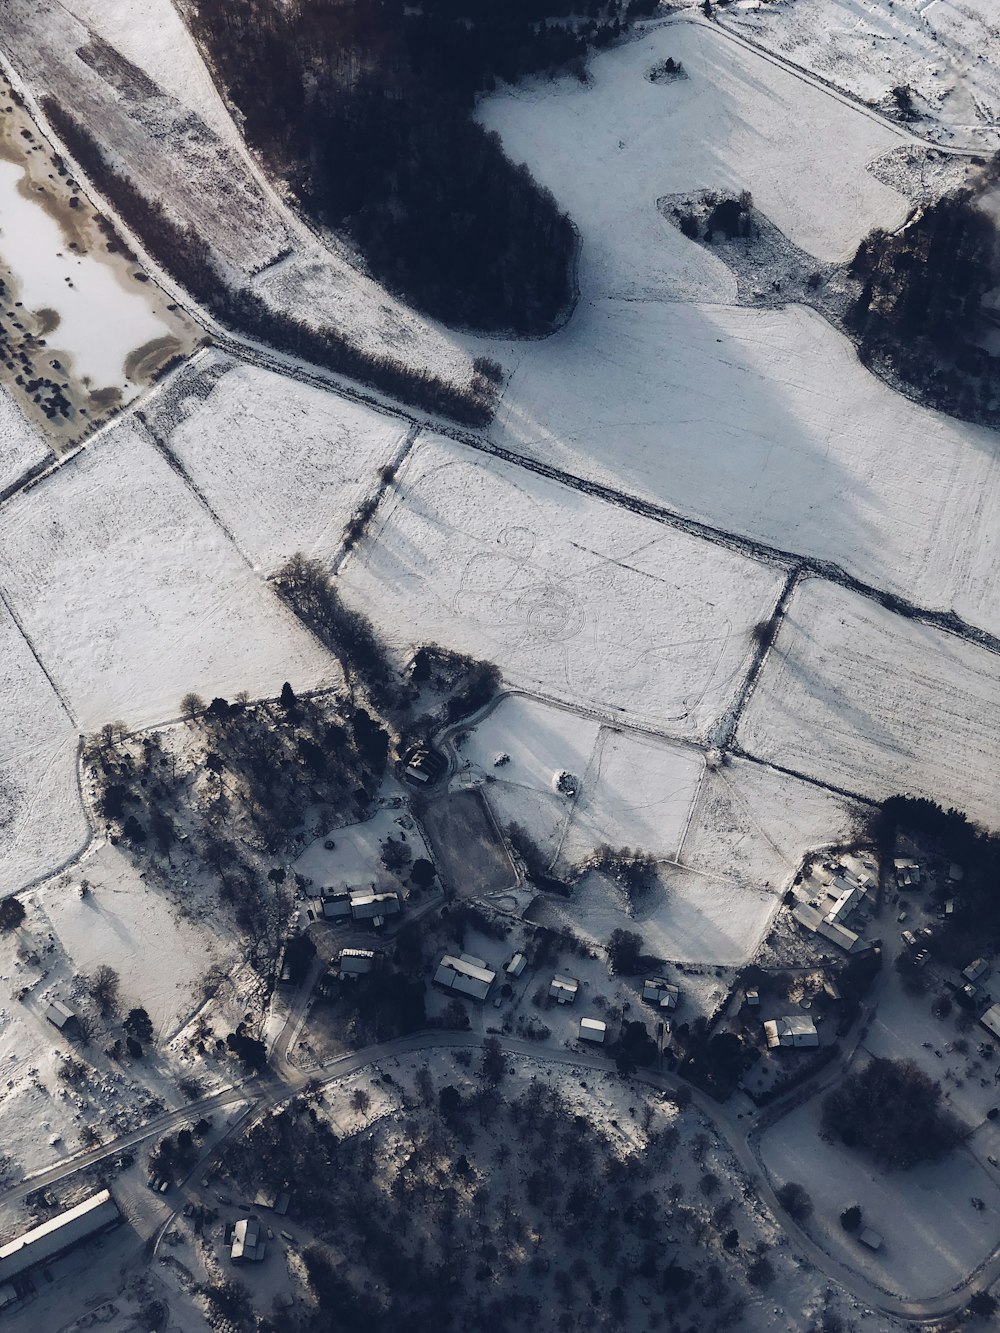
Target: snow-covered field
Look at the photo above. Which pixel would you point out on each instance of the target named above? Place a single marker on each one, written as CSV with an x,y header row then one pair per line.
x,y
569,596
122,922
132,595
933,1237
282,464
41,819
354,860
875,703
609,150
21,447
633,790
764,422
947,52
151,34
757,421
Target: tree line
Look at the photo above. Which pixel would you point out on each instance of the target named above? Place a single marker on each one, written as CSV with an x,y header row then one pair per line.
x,y
365,109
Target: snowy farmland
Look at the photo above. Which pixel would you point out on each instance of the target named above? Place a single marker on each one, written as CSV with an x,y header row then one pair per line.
x,y
610,149
282,464
764,422
946,52
132,595
41,820
757,421
569,596
634,790
21,446
872,702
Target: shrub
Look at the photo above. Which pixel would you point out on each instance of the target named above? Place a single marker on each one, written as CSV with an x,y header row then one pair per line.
x,y
850,1218
12,913
795,1200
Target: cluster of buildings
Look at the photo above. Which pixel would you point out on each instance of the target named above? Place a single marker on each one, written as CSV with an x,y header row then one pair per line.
x,y
847,894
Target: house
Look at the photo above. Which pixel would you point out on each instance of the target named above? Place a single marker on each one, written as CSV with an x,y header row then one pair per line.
x,y
977,970
423,766
248,1245
64,1232
991,1020
465,975
516,965
336,905
563,989
592,1029
794,1030
846,901
62,1016
355,963
870,1238
659,991
367,905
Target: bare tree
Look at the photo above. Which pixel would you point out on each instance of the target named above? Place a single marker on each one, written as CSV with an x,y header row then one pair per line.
x,y
104,985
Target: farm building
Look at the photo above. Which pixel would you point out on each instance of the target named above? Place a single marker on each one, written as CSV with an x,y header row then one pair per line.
x,y
516,965
563,989
794,1030
592,1029
809,917
465,975
61,1016
659,991
248,1245
60,1234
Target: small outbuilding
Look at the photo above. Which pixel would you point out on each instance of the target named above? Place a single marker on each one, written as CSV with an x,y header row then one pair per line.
x,y
870,1238
516,965
592,1029
62,1017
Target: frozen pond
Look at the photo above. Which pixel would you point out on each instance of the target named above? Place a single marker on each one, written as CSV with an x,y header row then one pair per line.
x,y
100,322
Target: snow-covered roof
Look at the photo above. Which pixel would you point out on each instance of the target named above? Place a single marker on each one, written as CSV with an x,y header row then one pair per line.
x,y
976,970
70,1228
592,1029
563,989
465,974
60,1014
792,1030
991,1020
247,1247
516,965
366,905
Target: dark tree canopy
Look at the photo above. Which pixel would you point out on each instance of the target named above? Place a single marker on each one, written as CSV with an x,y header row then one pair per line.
x,y
892,1110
